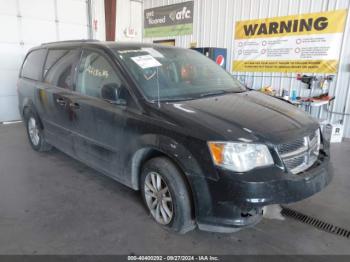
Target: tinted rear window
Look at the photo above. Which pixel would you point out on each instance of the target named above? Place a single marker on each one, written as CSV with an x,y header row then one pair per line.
x,y
59,67
33,65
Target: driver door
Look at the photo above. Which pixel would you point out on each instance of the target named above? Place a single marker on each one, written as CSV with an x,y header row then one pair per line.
x,y
99,125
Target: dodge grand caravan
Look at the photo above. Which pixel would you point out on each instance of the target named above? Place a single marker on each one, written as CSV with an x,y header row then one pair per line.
x,y
203,150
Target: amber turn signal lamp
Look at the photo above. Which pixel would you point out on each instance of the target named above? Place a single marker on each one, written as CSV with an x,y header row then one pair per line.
x,y
216,150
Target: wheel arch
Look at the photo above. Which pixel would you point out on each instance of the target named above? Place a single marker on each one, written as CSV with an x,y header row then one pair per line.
x,y
141,156
29,106
186,165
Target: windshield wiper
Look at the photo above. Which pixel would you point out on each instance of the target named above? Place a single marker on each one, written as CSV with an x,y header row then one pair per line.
x,y
178,99
213,93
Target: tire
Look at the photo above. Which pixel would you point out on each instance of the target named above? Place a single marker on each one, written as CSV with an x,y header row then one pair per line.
x,y
35,132
180,220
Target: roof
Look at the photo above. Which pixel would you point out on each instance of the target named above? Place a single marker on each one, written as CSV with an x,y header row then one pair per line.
x,y
108,44
82,41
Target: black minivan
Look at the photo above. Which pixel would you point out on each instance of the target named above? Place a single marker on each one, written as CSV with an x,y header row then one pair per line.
x,y
202,148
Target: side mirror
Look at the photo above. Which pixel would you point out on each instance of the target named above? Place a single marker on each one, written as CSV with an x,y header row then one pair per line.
x,y
112,94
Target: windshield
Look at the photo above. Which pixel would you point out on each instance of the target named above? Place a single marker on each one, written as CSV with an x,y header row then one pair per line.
x,y
164,73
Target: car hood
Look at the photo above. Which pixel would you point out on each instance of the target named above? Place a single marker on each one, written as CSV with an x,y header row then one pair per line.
x,y
243,116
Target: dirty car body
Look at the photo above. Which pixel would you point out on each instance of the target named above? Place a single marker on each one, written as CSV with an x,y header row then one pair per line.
x,y
200,132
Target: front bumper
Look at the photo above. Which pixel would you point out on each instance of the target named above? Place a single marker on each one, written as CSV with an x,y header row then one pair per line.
x,y
236,200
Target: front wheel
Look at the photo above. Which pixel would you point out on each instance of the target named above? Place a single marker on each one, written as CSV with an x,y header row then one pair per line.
x,y
166,195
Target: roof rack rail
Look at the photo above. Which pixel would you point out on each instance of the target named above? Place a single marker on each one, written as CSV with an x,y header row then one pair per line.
x,y
72,41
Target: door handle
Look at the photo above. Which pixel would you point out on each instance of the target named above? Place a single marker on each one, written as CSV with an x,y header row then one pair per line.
x,y
74,106
61,101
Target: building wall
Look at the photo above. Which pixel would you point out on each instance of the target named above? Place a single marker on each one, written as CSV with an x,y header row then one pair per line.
x,y
129,16
214,21
24,24
98,23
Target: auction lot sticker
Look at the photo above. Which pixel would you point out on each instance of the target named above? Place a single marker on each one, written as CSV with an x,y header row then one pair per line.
x,y
308,43
146,61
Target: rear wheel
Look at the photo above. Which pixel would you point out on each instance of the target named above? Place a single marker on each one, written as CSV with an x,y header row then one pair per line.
x,y
166,195
35,133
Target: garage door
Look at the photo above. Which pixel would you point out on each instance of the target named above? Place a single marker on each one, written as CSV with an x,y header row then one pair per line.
x,y
27,23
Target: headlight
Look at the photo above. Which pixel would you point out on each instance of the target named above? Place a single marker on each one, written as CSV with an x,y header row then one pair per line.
x,y
240,157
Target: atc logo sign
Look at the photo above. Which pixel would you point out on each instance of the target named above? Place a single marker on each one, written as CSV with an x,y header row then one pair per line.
x,y
169,20
181,14
220,60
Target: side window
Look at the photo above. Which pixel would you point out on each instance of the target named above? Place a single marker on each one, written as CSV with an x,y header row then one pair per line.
x,y
59,67
33,65
94,73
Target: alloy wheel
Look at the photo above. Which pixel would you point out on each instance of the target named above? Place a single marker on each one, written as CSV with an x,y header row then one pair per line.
x,y
158,198
33,131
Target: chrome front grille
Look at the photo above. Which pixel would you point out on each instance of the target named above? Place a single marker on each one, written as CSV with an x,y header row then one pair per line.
x,y
291,147
300,154
294,162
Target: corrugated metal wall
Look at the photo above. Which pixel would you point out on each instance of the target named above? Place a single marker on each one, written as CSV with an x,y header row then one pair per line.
x,y
214,21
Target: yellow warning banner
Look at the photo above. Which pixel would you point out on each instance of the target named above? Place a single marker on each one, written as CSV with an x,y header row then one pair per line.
x,y
308,66
303,24
306,43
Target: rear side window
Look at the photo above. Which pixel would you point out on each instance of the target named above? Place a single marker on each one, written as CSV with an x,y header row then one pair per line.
x,y
33,65
59,67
